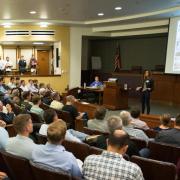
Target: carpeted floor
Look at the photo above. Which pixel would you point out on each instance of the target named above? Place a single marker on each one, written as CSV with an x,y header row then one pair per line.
x,y
156,108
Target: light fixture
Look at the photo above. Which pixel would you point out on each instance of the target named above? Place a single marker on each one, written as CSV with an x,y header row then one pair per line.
x,y
44,24
100,14
32,12
7,25
38,43
118,8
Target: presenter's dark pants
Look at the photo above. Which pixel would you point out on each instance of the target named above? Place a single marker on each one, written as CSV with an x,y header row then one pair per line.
x,y
146,101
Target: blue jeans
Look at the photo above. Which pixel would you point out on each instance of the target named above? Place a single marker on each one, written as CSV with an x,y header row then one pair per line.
x,y
81,136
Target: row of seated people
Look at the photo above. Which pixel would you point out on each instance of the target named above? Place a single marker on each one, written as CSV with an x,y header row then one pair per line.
x,y
109,164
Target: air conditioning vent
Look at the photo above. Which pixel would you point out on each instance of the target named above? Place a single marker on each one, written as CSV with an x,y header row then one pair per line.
x,y
27,32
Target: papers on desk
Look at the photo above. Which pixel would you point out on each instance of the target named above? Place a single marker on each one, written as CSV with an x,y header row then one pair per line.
x,y
92,87
84,103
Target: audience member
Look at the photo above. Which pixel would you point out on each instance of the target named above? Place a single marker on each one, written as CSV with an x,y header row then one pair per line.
x,y
31,87
113,123
136,122
23,86
6,113
35,108
56,104
12,83
170,136
47,98
22,145
70,100
2,86
49,88
111,164
99,123
128,127
18,82
4,136
26,103
50,116
165,120
53,153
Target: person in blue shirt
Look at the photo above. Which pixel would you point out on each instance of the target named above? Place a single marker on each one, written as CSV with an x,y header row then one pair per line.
x,y
53,152
96,83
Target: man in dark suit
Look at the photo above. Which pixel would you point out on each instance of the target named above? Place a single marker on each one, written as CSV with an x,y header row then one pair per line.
x,y
22,65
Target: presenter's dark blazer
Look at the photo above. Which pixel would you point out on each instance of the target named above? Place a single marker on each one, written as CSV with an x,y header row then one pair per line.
x,y
149,84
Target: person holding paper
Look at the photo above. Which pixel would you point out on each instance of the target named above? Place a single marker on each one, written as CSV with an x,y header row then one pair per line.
x,y
146,89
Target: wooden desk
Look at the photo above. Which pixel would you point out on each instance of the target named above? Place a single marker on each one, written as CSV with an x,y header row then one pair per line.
x,y
100,92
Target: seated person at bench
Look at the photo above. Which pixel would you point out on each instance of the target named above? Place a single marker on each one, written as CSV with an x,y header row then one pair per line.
x,y
96,83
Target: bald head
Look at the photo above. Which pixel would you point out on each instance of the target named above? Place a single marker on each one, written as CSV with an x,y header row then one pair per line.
x,y
118,139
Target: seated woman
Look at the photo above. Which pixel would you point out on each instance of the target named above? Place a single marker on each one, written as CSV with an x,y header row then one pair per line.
x,y
99,123
56,104
165,122
71,135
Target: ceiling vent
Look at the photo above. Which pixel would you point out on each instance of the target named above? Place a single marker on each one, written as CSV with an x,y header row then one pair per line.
x,y
28,33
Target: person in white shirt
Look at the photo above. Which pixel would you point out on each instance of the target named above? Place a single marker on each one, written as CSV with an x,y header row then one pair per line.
x,y
23,86
31,87
11,83
50,116
9,65
2,65
22,145
56,104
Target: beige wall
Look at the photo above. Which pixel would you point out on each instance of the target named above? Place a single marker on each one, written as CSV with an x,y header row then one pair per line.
x,y
62,33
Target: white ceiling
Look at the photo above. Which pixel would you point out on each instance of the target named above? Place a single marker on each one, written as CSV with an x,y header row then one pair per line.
x,y
84,11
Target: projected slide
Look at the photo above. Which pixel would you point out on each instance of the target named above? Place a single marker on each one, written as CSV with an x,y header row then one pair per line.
x,y
176,64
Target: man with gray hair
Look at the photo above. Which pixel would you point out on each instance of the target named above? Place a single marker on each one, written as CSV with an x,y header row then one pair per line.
x,y
115,123
129,128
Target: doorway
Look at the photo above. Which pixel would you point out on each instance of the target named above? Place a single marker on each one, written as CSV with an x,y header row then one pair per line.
x,y
43,62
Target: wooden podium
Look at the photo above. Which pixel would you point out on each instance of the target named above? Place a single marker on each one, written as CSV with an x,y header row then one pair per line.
x,y
115,97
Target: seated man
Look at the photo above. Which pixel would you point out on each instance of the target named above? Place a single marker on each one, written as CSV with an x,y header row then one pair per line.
x,y
22,145
35,108
136,122
96,83
23,86
26,104
53,153
12,83
165,120
56,104
3,89
171,136
128,127
4,136
69,107
50,116
99,123
111,164
31,87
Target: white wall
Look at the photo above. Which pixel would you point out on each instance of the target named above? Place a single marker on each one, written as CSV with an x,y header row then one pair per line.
x,y
76,34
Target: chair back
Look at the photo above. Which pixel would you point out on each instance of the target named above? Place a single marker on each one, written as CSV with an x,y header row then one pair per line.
x,y
151,133
11,131
35,118
45,172
140,143
95,150
66,116
41,139
44,106
3,166
94,132
80,150
164,152
18,167
155,170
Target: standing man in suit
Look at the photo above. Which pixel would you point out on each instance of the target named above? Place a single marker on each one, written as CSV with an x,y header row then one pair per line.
x,y
22,65
146,89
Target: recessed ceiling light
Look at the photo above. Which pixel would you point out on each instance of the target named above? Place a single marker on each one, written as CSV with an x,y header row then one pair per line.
x,y
7,25
32,12
44,24
38,43
100,14
118,8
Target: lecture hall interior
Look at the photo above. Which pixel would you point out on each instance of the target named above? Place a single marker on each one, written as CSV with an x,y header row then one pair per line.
x,y
90,89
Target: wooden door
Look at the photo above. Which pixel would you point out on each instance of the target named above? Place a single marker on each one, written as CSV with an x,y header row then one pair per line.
x,y
43,62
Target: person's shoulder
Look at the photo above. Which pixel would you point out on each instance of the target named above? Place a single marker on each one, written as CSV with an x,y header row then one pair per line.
x,y
91,157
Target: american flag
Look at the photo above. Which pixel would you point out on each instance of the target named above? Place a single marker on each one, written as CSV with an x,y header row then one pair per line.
x,y
117,60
